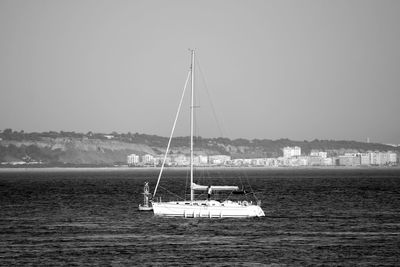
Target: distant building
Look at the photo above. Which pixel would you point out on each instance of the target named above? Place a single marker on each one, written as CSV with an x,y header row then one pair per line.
x,y
259,162
365,159
237,162
148,159
289,152
349,160
160,159
218,159
321,154
316,161
200,160
181,160
374,158
301,161
383,158
133,159
392,158
203,159
328,161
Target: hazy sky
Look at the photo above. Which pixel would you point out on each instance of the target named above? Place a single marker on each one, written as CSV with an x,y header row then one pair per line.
x,y
274,69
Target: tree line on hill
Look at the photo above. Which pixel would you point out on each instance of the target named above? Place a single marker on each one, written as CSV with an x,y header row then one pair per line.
x,y
236,147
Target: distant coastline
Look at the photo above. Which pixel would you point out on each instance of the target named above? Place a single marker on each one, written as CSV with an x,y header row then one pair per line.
x,y
70,149
153,169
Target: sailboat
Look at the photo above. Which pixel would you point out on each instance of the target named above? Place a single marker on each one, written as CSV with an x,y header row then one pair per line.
x,y
208,208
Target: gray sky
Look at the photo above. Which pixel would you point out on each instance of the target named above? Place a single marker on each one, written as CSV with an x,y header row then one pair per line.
x,y
274,69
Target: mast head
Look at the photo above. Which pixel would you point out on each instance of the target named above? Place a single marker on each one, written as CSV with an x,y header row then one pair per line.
x,y
192,59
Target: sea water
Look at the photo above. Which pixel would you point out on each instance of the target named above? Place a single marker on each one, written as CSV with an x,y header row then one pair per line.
x,y
91,217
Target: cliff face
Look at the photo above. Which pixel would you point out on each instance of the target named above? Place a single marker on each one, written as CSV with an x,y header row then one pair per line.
x,y
80,151
71,150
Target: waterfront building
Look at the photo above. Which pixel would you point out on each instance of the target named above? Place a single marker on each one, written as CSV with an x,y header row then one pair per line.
x,y
374,158
301,161
379,158
132,159
365,159
237,162
328,161
316,161
316,158
218,159
247,162
392,158
383,158
289,152
259,162
158,160
321,154
148,159
200,160
181,160
293,161
272,162
349,160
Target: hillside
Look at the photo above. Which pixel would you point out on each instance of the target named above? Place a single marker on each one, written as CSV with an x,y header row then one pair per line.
x,y
96,149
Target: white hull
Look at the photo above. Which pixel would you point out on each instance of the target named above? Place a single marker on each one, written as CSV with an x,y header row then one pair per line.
x,y
207,209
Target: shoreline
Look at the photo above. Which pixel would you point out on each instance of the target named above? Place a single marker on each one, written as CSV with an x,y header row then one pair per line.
x,y
134,169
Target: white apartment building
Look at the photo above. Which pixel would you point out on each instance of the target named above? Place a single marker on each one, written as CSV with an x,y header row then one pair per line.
x,y
158,160
289,152
365,159
181,160
259,162
328,162
321,154
349,159
392,158
132,159
200,160
148,159
382,158
218,159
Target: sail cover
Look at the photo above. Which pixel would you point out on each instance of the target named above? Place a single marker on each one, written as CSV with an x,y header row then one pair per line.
x,y
214,187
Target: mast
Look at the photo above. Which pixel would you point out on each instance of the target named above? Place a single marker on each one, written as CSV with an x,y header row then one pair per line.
x,y
191,127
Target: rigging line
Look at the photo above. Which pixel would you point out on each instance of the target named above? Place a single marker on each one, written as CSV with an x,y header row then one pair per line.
x,y
171,192
221,132
228,196
172,133
251,189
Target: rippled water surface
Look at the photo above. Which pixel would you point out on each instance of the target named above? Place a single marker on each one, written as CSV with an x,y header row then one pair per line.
x,y
313,217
